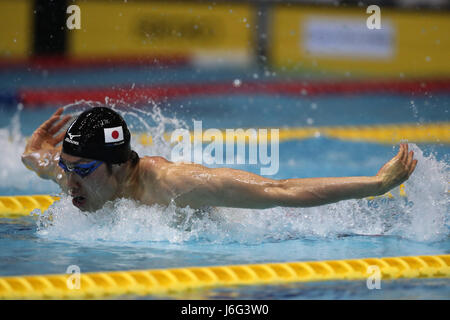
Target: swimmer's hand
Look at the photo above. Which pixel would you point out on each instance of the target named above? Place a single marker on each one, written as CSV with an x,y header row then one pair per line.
x,y
41,150
397,170
46,137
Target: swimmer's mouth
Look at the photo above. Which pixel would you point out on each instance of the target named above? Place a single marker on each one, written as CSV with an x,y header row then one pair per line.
x,y
79,201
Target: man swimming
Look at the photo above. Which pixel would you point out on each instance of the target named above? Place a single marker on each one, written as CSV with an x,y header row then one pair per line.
x,y
96,165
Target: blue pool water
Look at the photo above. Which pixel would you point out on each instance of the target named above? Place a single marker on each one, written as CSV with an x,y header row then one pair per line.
x,y
128,236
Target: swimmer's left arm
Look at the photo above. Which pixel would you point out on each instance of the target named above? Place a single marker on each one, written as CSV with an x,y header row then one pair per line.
x,y
234,188
319,191
198,186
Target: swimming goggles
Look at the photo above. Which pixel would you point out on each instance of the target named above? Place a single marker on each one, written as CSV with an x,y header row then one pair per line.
x,y
82,169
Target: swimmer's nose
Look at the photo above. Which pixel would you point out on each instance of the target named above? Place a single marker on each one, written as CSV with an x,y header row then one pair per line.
x,y
72,181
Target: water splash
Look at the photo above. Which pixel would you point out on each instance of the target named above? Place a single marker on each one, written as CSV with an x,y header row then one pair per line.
x,y
147,119
12,144
426,214
422,216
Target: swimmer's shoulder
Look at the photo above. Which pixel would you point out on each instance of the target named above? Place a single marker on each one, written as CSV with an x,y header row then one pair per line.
x,y
159,167
151,175
152,162
153,166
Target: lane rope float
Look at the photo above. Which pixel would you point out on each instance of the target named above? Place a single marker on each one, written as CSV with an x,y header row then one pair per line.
x,y
164,281
384,134
18,206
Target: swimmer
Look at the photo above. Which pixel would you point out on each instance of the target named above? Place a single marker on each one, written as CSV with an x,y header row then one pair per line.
x,y
95,164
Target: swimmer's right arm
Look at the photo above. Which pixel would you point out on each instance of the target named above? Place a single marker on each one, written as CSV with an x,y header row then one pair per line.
x,y
42,151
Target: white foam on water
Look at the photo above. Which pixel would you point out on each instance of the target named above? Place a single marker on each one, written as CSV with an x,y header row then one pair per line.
x,y
13,174
422,216
426,215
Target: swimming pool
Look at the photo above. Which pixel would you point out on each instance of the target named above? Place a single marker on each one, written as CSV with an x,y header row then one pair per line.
x,y
130,237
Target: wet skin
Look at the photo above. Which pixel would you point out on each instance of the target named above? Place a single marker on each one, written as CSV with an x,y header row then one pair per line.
x,y
155,180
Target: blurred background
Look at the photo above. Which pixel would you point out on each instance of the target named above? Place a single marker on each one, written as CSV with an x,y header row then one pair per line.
x,y
138,43
313,69
305,37
155,41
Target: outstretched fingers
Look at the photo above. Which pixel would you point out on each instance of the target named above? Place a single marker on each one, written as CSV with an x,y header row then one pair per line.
x,y
408,160
413,167
58,112
54,129
49,123
400,152
404,152
58,138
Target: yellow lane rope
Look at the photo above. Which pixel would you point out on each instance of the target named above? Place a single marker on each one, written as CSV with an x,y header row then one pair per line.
x,y
384,134
17,206
162,281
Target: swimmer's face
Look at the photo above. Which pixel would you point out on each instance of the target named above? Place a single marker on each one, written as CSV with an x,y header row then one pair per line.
x,y
91,192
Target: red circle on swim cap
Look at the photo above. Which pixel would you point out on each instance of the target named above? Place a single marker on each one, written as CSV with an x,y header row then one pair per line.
x,y
115,134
